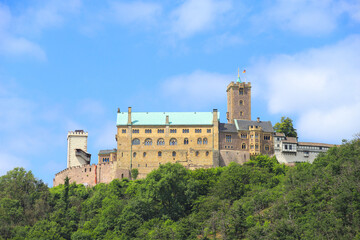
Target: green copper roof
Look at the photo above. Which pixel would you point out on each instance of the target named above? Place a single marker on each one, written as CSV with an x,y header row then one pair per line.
x,y
239,80
159,118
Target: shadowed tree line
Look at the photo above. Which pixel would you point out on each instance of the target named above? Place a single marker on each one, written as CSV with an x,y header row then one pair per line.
x,y
261,199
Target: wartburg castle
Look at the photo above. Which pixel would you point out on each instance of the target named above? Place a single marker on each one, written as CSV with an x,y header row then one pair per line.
x,y
145,140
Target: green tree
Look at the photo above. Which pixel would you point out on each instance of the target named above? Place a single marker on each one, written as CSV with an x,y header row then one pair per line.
x,y
286,126
134,173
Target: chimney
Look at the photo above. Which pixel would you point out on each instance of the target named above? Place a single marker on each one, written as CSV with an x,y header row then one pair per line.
x,y
129,115
215,115
167,120
258,119
118,110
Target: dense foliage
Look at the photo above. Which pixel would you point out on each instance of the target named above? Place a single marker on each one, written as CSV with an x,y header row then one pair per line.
x,y
261,199
286,126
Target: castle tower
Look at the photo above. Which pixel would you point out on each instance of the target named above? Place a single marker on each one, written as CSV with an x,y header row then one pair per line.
x,y
77,149
238,101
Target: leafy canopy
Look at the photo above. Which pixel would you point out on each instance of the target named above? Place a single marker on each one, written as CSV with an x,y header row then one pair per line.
x,y
286,126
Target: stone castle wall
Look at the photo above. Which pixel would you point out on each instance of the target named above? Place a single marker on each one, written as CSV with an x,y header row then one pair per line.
x,y
90,175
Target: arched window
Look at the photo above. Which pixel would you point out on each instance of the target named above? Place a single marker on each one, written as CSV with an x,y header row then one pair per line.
x,y
173,141
174,154
144,154
207,153
136,141
197,153
241,102
186,141
122,175
159,154
134,154
267,148
148,141
241,113
243,146
199,141
160,141
256,146
205,141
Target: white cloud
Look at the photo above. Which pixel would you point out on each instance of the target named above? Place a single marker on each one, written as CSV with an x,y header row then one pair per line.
x,y
198,89
135,12
195,16
9,161
308,17
323,83
17,29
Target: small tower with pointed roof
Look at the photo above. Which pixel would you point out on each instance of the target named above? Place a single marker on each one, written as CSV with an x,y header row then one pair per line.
x,y
238,100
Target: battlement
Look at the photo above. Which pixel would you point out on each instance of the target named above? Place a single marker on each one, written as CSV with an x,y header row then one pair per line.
x,y
77,133
238,85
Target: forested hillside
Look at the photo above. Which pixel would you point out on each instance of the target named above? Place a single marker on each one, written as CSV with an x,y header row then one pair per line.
x,y
261,199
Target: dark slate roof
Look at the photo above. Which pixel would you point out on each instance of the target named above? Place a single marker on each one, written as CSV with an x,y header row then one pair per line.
x,y
107,151
225,127
244,125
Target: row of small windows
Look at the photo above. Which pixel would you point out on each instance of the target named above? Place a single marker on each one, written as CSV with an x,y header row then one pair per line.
x,y
105,159
243,146
243,135
172,154
162,131
173,141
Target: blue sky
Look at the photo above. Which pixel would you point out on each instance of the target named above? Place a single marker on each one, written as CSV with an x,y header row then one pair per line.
x,y
67,65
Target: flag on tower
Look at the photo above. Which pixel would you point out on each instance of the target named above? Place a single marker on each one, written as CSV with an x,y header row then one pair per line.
x,y
244,71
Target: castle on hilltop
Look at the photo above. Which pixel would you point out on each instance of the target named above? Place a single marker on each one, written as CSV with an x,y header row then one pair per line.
x,y
145,140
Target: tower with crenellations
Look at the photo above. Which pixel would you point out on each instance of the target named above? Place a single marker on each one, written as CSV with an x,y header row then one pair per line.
x,y
77,148
238,101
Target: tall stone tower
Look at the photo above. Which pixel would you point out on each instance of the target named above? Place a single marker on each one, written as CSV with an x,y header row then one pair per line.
x,y
77,149
238,101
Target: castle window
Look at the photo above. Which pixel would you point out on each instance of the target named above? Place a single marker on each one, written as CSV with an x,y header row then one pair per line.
x,y
122,176
199,141
138,165
148,142
136,141
122,154
160,141
205,141
256,147
85,169
174,154
256,135
160,130
251,146
285,146
290,147
266,137
146,165
228,138
186,141
208,131
135,130
185,130
147,130
241,102
144,154
244,135
243,146
159,154
123,130
241,113
172,130
197,153
251,136
173,141
207,153
267,148
197,130
241,91
134,154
